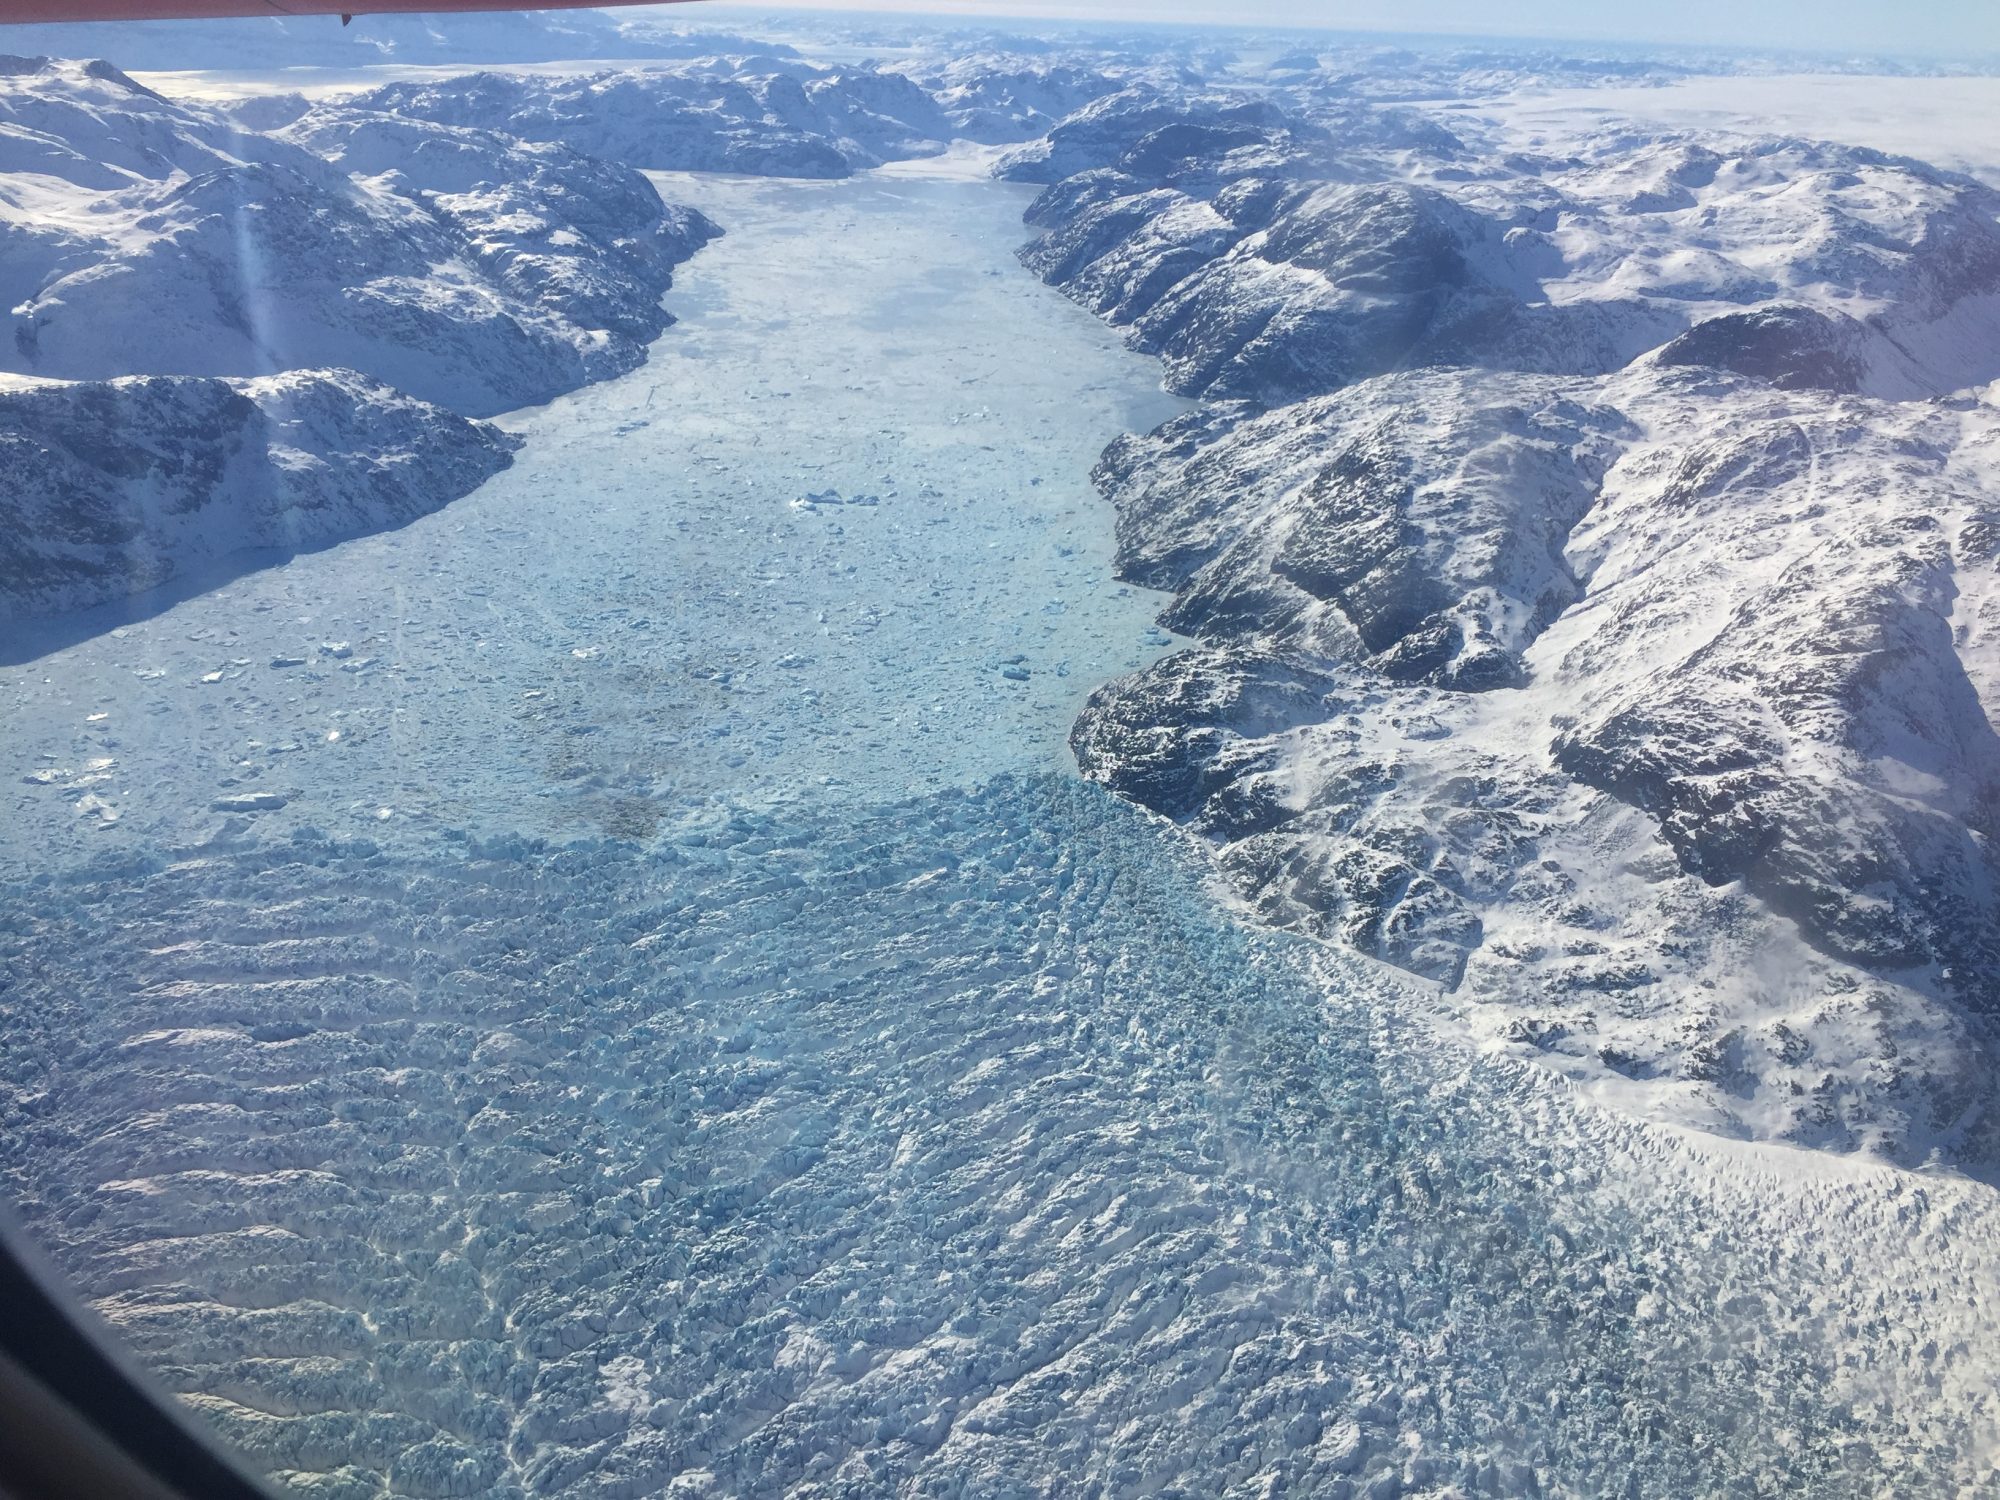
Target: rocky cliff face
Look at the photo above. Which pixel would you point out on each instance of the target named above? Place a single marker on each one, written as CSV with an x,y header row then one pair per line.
x,y
111,487
1591,587
236,339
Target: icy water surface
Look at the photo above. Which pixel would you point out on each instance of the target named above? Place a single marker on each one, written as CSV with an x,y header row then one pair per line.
x,y
686,1032
650,610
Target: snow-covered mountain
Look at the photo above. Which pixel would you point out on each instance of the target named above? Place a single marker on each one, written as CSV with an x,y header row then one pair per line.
x,y
111,487
1268,257
282,41
147,236
1592,570
360,283
1000,98
758,114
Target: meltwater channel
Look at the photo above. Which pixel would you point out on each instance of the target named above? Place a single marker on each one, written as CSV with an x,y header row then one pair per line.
x,y
614,989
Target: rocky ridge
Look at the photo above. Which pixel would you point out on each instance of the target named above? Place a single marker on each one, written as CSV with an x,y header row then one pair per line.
x,y
281,331
112,487
1590,568
758,114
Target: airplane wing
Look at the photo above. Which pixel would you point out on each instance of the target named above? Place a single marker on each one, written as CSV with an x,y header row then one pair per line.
x,y
190,10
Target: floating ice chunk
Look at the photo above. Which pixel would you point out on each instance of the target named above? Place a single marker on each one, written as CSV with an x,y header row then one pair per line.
x,y
338,650
211,677
92,805
243,802
95,718
288,661
47,777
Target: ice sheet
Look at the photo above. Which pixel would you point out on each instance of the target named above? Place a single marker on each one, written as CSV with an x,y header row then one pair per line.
x,y
1949,121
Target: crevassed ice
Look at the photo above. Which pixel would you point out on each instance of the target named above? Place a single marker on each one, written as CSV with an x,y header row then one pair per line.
x,y
958,1146
827,1106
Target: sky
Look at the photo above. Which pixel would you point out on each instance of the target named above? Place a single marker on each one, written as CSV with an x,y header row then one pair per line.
x,y
1948,28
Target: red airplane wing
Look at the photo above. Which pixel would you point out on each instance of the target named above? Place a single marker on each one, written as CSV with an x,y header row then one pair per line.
x,y
188,10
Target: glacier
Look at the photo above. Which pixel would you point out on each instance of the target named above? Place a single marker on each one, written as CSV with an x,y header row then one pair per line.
x,y
584,964
956,1143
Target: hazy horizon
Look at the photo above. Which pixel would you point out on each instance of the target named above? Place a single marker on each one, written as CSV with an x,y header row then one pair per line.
x,y
1948,28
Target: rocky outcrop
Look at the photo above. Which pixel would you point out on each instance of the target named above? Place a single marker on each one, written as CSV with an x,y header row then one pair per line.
x,y
1793,348
468,270
1596,631
111,487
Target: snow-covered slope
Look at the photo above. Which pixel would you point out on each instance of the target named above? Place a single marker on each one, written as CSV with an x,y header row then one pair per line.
x,y
582,241
1001,98
1270,257
143,236
108,488
763,114
282,41
1607,633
